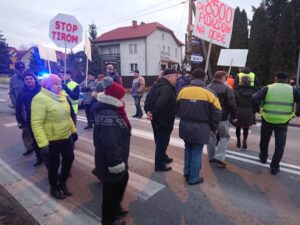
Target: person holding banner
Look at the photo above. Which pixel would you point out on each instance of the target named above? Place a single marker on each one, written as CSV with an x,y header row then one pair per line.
x,y
71,88
246,110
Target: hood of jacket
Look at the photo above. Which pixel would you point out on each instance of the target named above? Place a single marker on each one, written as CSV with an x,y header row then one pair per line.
x,y
36,89
106,102
59,98
198,82
162,81
245,91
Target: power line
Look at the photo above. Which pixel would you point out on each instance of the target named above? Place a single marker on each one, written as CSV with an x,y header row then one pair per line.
x,y
151,12
182,17
135,13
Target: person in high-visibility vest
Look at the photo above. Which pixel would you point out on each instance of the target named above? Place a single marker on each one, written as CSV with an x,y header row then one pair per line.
x,y
71,88
277,109
246,72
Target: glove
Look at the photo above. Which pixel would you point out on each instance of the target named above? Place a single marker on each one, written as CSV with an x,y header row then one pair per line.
x,y
74,137
117,169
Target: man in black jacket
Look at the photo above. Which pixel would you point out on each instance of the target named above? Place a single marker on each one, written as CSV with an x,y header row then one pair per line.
x,y
23,112
216,151
160,106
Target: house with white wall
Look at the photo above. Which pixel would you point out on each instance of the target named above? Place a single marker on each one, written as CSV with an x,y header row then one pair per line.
x,y
147,47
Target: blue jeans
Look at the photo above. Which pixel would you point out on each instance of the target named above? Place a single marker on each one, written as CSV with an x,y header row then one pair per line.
x,y
192,161
137,102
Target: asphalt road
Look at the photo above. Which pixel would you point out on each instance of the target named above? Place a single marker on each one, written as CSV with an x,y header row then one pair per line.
x,y
243,193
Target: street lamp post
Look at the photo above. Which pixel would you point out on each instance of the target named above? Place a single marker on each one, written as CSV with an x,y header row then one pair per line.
x,y
298,70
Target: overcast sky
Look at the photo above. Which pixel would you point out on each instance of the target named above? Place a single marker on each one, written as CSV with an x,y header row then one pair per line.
x,y
26,22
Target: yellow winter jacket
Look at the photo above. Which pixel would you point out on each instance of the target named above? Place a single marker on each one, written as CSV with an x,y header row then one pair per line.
x,y
51,118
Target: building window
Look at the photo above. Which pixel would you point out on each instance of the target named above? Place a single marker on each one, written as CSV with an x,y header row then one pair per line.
x,y
133,67
114,51
132,48
176,52
169,49
163,36
164,49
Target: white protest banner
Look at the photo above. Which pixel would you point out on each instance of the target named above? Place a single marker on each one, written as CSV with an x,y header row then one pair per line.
x,y
87,48
47,53
233,57
214,22
65,31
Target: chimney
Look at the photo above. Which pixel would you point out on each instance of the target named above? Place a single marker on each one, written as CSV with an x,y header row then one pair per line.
x,y
134,23
143,23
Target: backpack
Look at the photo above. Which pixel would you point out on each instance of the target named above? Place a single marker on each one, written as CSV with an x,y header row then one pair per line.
x,y
151,98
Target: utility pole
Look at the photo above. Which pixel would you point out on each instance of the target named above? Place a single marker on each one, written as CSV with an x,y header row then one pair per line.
x,y
188,47
298,70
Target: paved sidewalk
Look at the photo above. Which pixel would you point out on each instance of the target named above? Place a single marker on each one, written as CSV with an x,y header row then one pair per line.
x,y
11,212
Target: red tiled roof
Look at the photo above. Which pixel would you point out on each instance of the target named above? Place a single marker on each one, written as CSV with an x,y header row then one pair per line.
x,y
140,31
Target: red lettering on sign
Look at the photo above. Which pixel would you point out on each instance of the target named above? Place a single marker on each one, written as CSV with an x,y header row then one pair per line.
x,y
63,36
75,28
57,25
200,29
69,27
75,38
63,25
217,36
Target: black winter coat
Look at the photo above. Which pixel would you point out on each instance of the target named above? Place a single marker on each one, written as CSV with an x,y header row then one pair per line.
x,y
111,138
226,97
23,104
164,107
246,106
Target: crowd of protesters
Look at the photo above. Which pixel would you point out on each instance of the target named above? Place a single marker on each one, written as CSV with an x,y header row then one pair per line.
x,y
46,113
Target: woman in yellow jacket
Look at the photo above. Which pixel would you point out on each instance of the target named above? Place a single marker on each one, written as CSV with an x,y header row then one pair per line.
x,y
54,132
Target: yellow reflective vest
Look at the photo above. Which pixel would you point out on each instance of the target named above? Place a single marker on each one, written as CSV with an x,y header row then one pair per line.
x,y
72,85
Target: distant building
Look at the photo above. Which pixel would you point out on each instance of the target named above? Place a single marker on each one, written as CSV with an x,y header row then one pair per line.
x,y
147,47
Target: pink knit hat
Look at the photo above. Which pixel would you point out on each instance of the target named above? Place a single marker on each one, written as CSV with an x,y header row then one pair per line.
x,y
50,80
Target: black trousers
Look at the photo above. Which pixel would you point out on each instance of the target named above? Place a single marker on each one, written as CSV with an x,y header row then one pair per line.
x,y
88,114
280,131
59,151
113,193
162,139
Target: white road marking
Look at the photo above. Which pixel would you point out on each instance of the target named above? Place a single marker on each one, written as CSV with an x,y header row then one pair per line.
x,y
145,187
177,142
13,124
39,204
256,158
3,100
143,120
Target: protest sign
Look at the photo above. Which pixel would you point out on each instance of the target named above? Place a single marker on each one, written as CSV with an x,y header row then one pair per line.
x,y
214,22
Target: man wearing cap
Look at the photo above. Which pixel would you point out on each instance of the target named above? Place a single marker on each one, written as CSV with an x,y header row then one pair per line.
x,y
277,109
71,88
16,82
137,91
160,106
111,72
23,114
87,91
